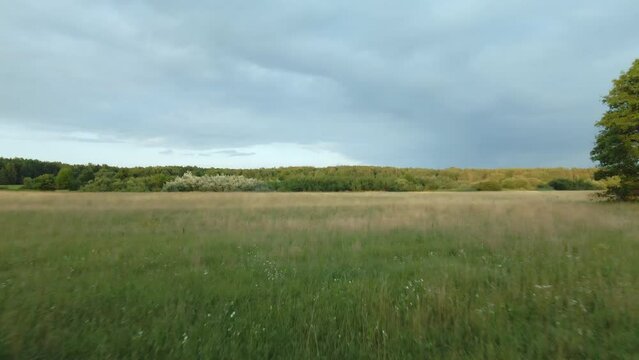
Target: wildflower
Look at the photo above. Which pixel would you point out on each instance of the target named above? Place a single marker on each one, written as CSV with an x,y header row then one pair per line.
x,y
218,183
543,286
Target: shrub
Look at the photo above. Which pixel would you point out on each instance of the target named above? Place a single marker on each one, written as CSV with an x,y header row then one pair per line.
x,y
544,187
610,182
402,184
27,183
43,182
488,185
64,180
579,184
216,183
561,184
104,180
515,183
133,185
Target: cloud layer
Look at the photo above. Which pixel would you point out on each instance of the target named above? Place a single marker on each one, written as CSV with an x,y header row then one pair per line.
x,y
480,83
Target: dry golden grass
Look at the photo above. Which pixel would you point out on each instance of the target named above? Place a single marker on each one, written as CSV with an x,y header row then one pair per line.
x,y
524,212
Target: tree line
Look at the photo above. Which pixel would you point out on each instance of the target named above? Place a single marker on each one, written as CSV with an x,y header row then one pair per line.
x,y
616,151
43,175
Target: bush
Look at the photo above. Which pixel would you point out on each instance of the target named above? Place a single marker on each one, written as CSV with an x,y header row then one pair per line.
x,y
488,185
104,180
561,184
610,182
435,182
215,183
64,180
515,183
44,182
567,184
402,184
544,187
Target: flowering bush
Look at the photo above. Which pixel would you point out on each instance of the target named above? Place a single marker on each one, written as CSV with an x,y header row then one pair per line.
x,y
219,183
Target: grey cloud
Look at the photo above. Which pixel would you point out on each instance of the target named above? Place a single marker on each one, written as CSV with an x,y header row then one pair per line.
x,y
90,138
445,83
233,153
229,153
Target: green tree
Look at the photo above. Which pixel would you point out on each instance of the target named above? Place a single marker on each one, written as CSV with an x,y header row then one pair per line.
x,y
9,174
105,180
87,173
64,178
42,182
617,144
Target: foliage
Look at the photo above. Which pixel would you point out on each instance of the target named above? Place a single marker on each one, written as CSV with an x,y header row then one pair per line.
x,y
43,182
617,144
8,174
338,178
610,182
567,184
518,183
216,183
86,174
108,179
64,180
488,185
13,171
104,180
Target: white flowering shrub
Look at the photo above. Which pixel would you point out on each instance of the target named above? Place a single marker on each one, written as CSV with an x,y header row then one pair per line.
x,y
218,183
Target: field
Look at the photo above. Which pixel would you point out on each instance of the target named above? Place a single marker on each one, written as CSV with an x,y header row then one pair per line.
x,y
314,275
10,187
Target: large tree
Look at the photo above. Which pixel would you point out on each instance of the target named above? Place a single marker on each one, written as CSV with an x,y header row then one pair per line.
x,y
64,179
8,174
617,144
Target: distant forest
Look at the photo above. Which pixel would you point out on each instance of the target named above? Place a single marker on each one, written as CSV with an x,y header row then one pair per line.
x,y
20,173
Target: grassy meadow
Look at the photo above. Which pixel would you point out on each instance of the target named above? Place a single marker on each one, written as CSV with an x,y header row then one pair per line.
x,y
10,187
501,275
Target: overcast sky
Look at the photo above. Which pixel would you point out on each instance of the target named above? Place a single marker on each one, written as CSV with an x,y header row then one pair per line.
x,y
466,83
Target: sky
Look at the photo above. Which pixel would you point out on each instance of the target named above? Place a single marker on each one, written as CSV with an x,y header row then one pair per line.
x,y
436,84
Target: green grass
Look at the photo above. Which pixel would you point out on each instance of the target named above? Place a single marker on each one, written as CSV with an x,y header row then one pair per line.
x,y
10,187
185,276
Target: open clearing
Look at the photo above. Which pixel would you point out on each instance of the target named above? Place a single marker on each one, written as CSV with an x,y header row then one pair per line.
x,y
281,275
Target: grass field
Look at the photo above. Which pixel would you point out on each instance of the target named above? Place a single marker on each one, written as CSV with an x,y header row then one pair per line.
x,y
272,275
10,187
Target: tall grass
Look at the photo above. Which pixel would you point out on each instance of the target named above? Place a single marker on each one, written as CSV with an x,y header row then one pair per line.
x,y
267,275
